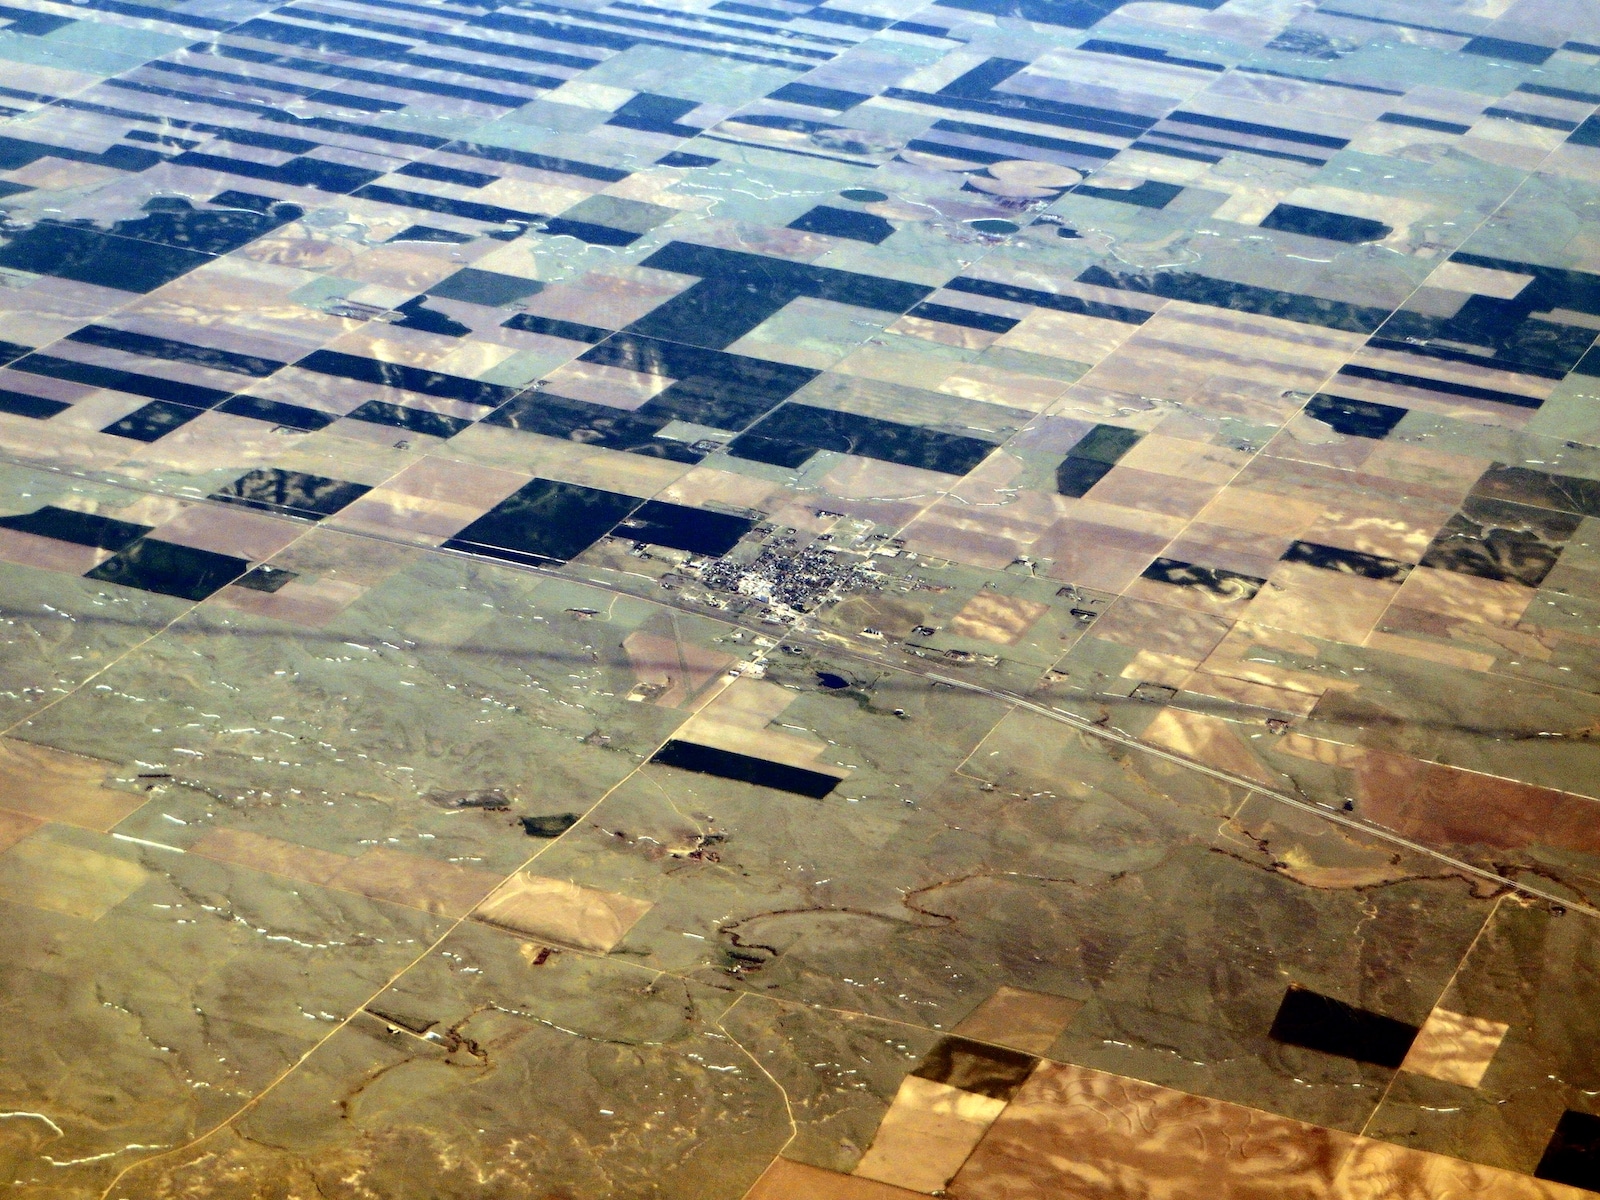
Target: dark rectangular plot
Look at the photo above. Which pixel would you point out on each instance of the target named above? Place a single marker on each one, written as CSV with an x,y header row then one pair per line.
x,y
90,256
711,387
13,350
409,379
1507,542
290,416
817,97
1148,54
1149,194
822,283
552,825
1106,443
777,452
471,210
16,152
1527,346
1572,1155
174,351
152,12
1071,304
960,153
1235,148
20,404
838,16
742,768
1522,52
1586,134
1177,152
580,35
1243,297
377,133
410,55
79,528
338,178
1254,130
753,10
1443,387
1075,476
843,223
342,99
1394,118
592,424
120,158
1558,93
36,24
545,521
966,318
130,382
796,279
1335,227
1555,526
266,141
152,565
982,79
588,231
350,100
1040,112
1092,458
266,578
1538,120
488,288
154,421
36,97
414,420
654,109
1225,585
1560,348
429,320
409,83
540,162
1541,489
680,159
739,290
785,123
938,31
1556,285
216,101
322,40
1317,1022
1347,562
717,311
248,201
796,431
656,356
975,1067
651,113
1355,418
1016,137
294,493
551,327
427,233
679,527
441,174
